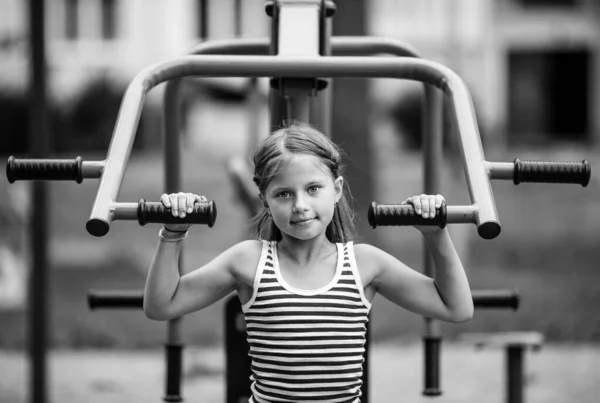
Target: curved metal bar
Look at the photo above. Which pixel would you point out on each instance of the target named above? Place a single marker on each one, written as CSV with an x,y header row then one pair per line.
x,y
171,100
277,66
341,46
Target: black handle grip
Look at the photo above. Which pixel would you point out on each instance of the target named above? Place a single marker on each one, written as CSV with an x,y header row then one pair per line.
x,y
44,169
115,299
432,345
496,299
403,214
156,212
552,172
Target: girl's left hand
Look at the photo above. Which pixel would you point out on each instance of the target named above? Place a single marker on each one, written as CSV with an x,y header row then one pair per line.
x,y
426,206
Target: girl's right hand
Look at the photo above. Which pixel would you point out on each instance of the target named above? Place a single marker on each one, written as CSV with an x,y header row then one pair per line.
x,y
426,206
180,205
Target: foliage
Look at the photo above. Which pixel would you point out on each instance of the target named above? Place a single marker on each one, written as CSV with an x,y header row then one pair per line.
x,y
84,123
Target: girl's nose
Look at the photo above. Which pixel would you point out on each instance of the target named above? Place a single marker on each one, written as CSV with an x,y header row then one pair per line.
x,y
300,205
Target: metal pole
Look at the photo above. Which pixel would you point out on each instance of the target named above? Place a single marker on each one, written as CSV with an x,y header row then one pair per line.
x,y
277,104
39,144
458,97
514,373
237,18
432,156
253,99
203,11
172,169
321,108
340,46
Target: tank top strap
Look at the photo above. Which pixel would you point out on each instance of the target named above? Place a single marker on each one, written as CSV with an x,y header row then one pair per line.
x,y
265,263
350,263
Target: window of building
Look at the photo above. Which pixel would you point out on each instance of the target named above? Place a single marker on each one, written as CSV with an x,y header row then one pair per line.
x,y
71,19
109,19
548,95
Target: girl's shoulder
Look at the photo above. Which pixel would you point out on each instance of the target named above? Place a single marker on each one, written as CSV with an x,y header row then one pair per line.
x,y
244,257
369,256
368,263
364,251
246,250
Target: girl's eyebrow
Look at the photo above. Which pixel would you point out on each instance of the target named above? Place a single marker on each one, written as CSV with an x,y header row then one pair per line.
x,y
279,189
287,189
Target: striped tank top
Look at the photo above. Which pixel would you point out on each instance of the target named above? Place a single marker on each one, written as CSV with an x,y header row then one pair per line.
x,y
306,345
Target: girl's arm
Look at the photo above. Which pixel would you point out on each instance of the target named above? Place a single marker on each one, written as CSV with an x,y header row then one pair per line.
x,y
447,296
168,295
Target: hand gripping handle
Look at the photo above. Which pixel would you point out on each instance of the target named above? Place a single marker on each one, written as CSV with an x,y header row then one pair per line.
x,y
403,215
156,212
44,169
552,172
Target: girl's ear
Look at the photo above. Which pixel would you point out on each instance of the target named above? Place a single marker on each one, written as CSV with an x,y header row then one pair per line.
x,y
338,186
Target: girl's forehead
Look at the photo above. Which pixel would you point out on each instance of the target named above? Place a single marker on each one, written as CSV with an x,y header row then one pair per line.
x,y
302,167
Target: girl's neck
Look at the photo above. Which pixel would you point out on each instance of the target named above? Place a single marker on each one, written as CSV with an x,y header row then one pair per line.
x,y
304,252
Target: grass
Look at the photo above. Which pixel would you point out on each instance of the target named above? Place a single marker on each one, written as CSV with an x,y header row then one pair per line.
x,y
548,250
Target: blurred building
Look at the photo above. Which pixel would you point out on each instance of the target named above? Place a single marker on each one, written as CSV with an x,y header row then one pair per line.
x,y
531,65
87,38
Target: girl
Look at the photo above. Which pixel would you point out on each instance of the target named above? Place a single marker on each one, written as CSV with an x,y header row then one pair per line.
x,y
305,288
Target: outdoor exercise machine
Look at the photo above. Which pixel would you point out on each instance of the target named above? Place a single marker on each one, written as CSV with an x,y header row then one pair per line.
x,y
300,58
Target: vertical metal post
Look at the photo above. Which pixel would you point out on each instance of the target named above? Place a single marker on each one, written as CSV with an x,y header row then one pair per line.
x,y
514,373
348,123
237,18
288,39
432,156
320,112
276,101
39,145
203,11
253,95
297,97
254,103
172,171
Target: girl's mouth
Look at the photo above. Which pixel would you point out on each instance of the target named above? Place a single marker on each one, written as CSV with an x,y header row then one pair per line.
x,y
302,222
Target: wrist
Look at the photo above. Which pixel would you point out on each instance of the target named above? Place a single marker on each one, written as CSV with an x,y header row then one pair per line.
x,y
173,231
433,233
172,236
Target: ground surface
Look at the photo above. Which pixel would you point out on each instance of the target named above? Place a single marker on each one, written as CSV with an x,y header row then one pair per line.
x,y
554,374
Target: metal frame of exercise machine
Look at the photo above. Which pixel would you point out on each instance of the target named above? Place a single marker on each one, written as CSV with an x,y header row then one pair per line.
x,y
300,65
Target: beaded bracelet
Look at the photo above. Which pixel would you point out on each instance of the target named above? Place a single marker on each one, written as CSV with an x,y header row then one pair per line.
x,y
172,236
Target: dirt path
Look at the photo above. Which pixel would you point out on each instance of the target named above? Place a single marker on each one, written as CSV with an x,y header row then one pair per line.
x,y
555,374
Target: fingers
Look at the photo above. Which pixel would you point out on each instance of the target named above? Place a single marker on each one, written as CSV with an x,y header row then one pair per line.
x,y
426,205
439,199
164,199
431,202
181,203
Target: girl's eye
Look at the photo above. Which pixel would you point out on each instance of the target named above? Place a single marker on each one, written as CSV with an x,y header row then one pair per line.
x,y
313,189
284,195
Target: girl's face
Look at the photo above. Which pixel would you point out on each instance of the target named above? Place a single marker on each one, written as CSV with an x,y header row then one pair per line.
x,y
302,197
